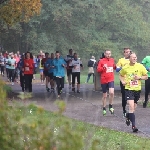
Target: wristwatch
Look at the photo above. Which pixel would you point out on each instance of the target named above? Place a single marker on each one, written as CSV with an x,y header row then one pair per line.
x,y
140,78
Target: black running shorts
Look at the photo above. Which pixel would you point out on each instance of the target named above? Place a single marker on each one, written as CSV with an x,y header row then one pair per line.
x,y
132,95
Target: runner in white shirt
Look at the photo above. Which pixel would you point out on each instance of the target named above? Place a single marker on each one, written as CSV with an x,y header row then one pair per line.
x,y
76,66
12,63
68,60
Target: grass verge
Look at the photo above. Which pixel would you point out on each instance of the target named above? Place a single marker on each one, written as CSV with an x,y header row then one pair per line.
x,y
105,138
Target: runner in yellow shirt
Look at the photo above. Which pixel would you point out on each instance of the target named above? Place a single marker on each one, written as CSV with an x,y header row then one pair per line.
x,y
121,63
41,68
131,76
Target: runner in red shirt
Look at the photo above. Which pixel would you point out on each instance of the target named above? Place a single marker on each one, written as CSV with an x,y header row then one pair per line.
x,y
106,68
28,67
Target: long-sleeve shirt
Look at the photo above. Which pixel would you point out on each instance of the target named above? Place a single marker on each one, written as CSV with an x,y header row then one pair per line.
x,y
28,69
59,70
50,65
106,68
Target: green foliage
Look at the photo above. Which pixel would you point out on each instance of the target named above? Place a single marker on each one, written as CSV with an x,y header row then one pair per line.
x,y
89,27
24,96
7,88
33,128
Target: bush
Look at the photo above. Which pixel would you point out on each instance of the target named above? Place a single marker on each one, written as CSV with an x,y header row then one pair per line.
x,y
28,128
33,128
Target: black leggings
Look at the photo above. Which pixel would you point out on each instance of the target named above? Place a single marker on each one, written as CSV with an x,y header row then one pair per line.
x,y
147,88
7,72
124,102
60,84
11,75
28,82
2,70
22,81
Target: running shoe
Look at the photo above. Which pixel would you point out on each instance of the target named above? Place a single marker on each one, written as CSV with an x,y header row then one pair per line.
x,y
135,129
111,110
127,119
104,112
127,122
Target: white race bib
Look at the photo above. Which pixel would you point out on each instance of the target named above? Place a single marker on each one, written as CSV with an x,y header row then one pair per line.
x,y
26,68
109,69
134,83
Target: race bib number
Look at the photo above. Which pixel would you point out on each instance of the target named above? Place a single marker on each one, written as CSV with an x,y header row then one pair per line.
x,y
109,69
26,68
134,83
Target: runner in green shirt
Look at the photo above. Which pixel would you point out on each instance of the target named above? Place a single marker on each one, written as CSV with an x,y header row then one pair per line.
x,y
146,63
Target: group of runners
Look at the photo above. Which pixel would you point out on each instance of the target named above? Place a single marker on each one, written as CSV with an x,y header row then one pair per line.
x,y
8,64
52,68
130,74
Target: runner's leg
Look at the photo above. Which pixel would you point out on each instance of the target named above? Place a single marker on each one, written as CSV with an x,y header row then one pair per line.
x,y
78,82
123,99
73,81
147,91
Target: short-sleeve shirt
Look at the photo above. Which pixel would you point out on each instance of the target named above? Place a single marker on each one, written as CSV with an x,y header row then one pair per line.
x,y
129,72
12,63
76,65
122,62
146,62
